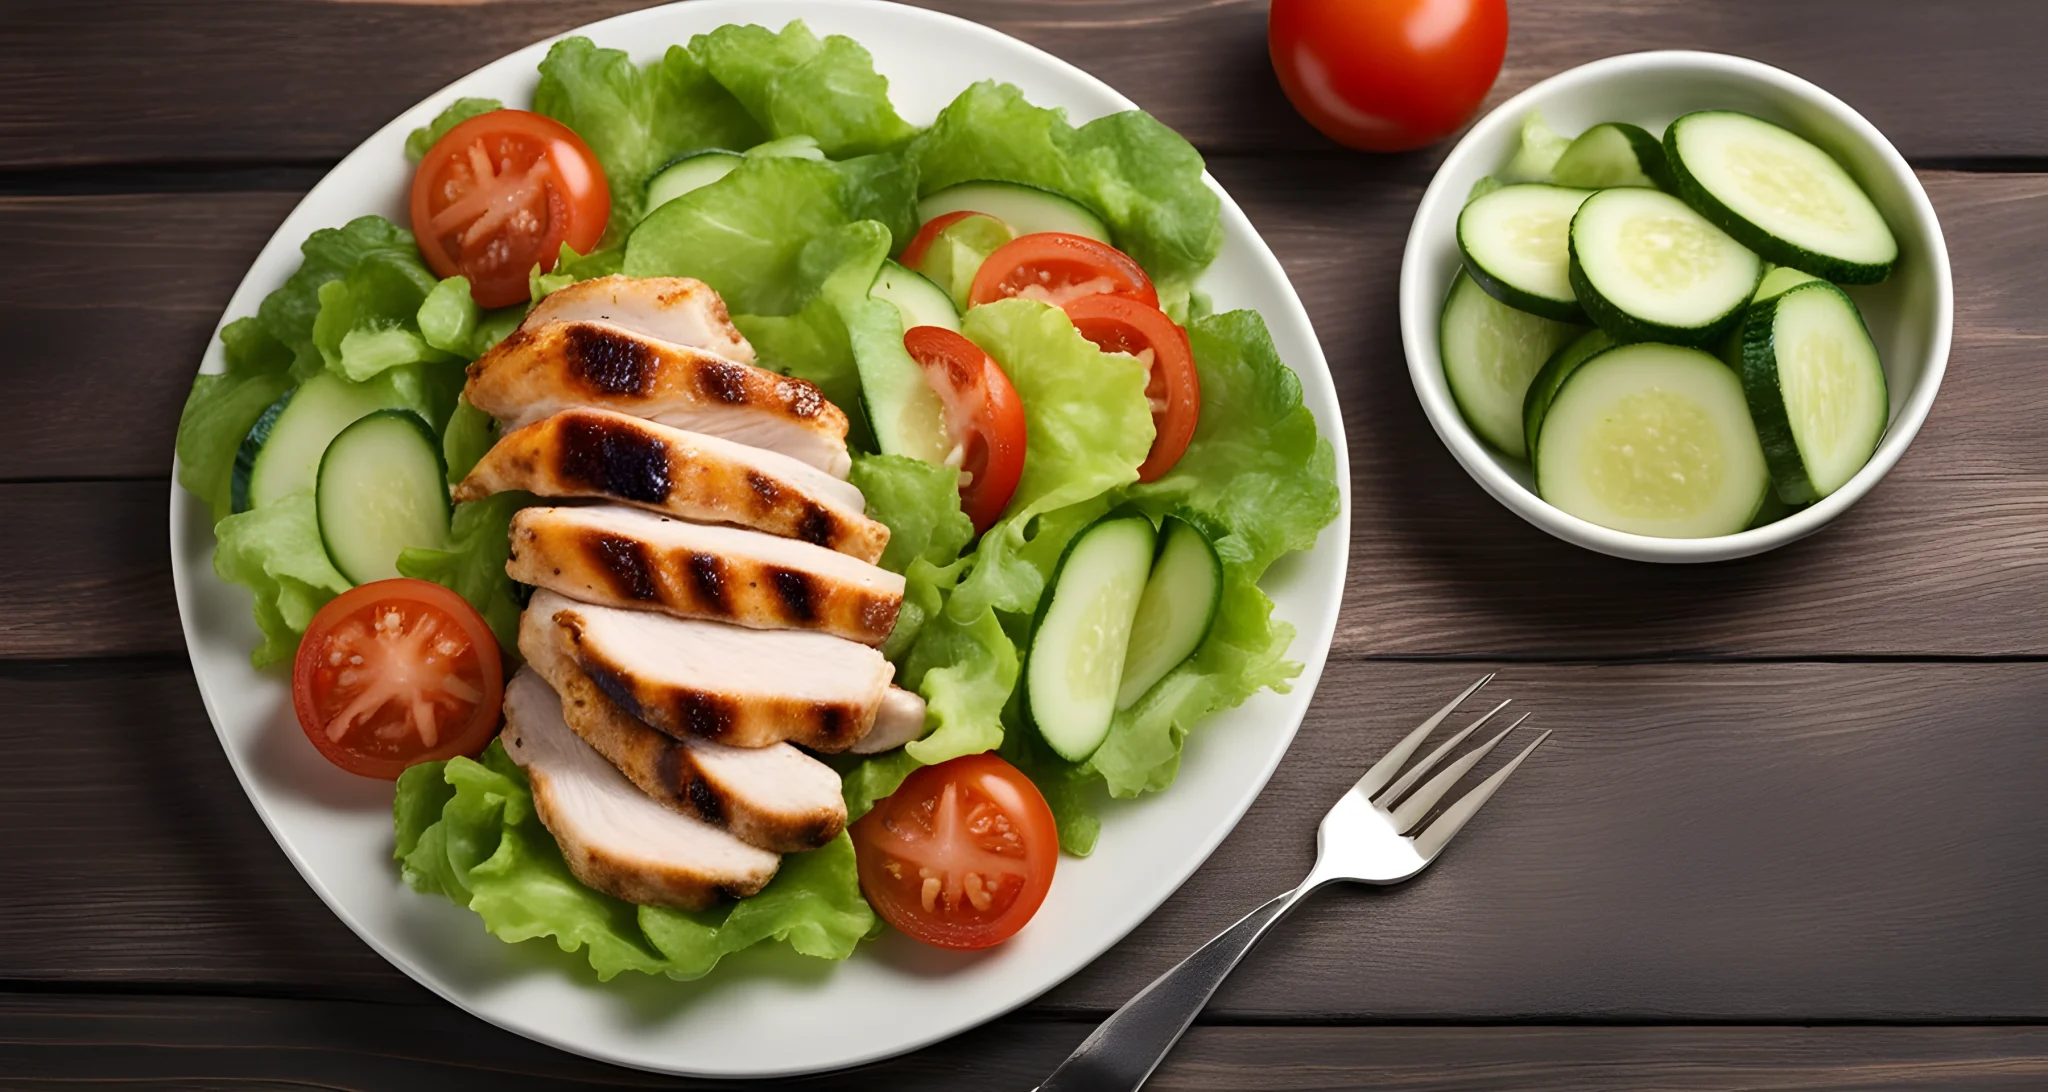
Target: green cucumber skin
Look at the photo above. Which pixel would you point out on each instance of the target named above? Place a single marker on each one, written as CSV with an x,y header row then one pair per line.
x,y
1183,522
251,446
1789,478
1555,310
1624,327
433,444
1650,155
1045,606
1767,246
1551,378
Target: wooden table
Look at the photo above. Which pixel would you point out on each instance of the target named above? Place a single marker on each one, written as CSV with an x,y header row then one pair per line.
x,y
1791,832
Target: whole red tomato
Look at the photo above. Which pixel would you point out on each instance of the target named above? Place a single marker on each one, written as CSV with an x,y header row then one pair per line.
x,y
1387,75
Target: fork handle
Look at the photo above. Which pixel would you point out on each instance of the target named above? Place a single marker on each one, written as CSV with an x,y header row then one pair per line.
x,y
1124,1051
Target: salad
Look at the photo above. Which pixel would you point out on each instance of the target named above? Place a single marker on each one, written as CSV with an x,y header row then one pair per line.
x,y
933,498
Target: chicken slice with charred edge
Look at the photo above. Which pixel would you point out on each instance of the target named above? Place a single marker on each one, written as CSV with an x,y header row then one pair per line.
x,y
679,310
623,557
614,837
540,370
615,456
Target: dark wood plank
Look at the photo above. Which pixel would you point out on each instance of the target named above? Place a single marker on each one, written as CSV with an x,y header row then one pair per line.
x,y
257,81
1730,842
93,1041
90,574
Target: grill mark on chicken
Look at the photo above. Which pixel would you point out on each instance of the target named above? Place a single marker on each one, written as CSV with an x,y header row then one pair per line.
x,y
678,775
707,574
816,525
612,364
706,715
799,598
833,723
764,487
723,382
611,460
879,615
625,562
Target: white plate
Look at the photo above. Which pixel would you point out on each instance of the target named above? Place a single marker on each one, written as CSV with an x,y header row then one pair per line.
x,y
764,1012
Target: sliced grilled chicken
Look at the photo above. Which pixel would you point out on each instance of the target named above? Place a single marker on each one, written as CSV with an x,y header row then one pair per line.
x,y
745,687
542,369
679,310
897,722
624,557
614,837
615,456
778,797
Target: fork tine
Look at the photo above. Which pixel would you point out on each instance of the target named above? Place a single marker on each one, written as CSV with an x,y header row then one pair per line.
x,y
1384,770
1415,807
1433,837
1429,761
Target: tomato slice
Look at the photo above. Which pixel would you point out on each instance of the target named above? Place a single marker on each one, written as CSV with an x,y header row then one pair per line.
x,y
1054,267
962,854
983,413
1120,325
395,673
501,193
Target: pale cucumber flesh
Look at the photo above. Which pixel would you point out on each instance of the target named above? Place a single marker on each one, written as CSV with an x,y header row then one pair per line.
x,y
1176,611
383,488
1077,654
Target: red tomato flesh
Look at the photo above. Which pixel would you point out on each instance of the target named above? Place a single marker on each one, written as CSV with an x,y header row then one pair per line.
x,y
500,194
1387,75
961,855
1054,267
395,673
1120,325
983,413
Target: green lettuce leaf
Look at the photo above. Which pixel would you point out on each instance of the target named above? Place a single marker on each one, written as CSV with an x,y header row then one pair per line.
x,y
470,433
833,273
473,565
1143,178
329,255
222,408
795,83
275,552
368,319
638,120
419,141
919,503
466,830
569,268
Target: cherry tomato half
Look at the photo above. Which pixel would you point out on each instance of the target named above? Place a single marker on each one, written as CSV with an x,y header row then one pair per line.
x,y
983,414
395,673
1387,75
961,856
1054,267
1120,325
501,193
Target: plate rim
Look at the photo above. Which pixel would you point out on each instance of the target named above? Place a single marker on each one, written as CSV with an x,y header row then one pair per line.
x,y
1311,647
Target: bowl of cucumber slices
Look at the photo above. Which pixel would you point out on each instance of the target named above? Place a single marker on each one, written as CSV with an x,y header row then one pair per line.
x,y
1676,306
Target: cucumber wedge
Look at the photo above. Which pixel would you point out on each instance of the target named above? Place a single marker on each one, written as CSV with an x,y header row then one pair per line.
x,y
1174,615
1562,363
1815,387
1780,195
383,487
1653,440
1027,209
1648,268
901,406
1491,351
1516,244
281,454
689,173
1614,154
1778,279
956,253
1076,663
921,302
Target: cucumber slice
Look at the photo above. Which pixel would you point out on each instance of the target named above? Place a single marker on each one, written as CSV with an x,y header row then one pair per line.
x,y
800,146
921,302
1653,440
383,487
1648,268
1174,615
1027,209
1491,351
1516,244
1778,279
1076,663
1562,363
1780,195
956,253
688,173
1816,389
281,454
1611,155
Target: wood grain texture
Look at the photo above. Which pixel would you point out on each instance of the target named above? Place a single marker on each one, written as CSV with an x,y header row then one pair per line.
x,y
99,1041
1730,842
255,81
90,572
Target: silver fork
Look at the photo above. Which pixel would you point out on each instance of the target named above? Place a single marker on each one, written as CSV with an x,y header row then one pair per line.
x,y
1363,839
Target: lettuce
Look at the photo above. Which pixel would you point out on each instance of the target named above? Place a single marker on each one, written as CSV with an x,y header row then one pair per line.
x,y
466,830
419,141
473,565
793,83
275,552
330,254
223,406
833,272
1142,177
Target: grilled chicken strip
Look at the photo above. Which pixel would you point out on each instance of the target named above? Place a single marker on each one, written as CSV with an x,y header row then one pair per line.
x,y
777,798
614,837
541,370
679,310
745,687
624,557
600,453
897,722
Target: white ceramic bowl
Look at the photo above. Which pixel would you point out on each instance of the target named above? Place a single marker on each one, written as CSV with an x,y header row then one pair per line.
x,y
1910,315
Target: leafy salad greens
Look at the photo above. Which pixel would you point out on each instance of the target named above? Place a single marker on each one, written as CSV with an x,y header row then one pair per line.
x,y
792,244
